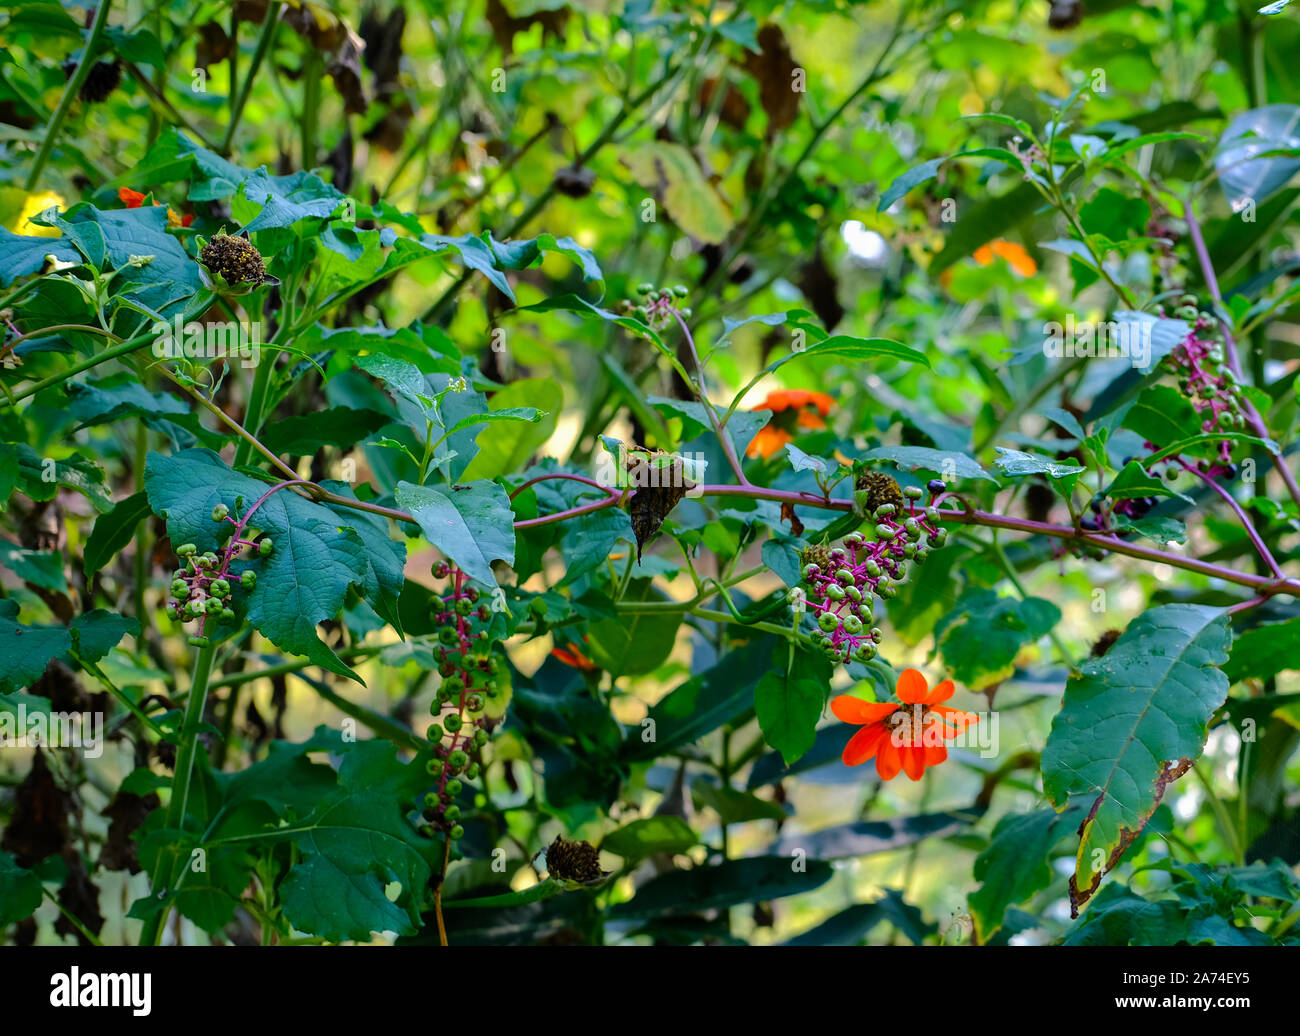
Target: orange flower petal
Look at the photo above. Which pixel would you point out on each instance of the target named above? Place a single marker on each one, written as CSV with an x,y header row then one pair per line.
x,y
940,692
863,745
854,710
911,687
961,720
768,441
823,402
983,255
888,760
131,199
810,419
913,757
935,754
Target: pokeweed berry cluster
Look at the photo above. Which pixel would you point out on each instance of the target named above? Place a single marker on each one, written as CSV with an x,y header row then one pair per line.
x,y
842,582
202,589
469,679
657,305
1204,378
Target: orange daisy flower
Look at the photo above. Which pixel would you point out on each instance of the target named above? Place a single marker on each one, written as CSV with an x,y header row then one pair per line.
x,y
905,737
131,199
791,409
1015,255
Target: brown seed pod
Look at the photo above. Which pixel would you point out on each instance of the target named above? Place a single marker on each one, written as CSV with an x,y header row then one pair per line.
x,y
574,861
818,554
235,259
879,489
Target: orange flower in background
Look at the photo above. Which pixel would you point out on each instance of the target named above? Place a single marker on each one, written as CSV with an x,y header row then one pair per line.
x,y
791,409
905,737
1019,260
571,656
131,199
173,220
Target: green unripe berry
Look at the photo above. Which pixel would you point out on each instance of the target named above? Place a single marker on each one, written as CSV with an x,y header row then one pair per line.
x,y
266,546
432,801
912,492
873,569
463,607
681,291
828,621
884,510
200,642
453,684
452,788
835,592
448,635
811,570
852,624
885,532
194,609
213,606
458,760
909,550
474,702
472,771
932,514
457,833
844,575
220,588
876,634
185,550
686,312
180,589
854,594
248,580
227,615
219,513
434,767
452,812
452,721
887,590
434,732
865,653
644,288
480,738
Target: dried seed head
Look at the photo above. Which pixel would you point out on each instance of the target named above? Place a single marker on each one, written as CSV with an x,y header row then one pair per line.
x,y
880,489
573,861
818,554
103,78
235,259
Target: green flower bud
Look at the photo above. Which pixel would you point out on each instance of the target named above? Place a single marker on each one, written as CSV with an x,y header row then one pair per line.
x,y
873,569
932,514
686,312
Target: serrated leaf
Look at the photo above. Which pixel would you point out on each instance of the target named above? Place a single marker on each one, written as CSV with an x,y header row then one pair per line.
x,y
473,525
1017,463
1126,723
948,463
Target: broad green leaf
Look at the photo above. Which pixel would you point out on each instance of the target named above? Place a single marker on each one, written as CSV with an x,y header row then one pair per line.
x,y
43,568
713,887
703,703
650,835
473,525
732,805
981,637
339,426
529,409
637,643
947,463
1128,721
113,531
25,651
851,926
20,891
1017,463
864,837
1016,864
1263,132
661,166
1133,481
1264,651
789,700
306,577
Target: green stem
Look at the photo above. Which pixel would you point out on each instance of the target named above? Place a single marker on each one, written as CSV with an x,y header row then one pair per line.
x,y
69,94
269,24
183,775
